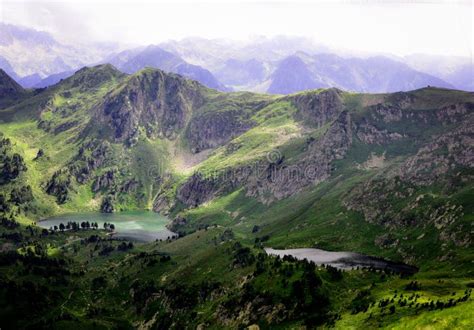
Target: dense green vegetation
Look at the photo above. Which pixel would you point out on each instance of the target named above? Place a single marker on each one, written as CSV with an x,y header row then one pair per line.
x,y
387,175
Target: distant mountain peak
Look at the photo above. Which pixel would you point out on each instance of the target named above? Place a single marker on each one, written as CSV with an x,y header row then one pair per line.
x,y
154,56
292,75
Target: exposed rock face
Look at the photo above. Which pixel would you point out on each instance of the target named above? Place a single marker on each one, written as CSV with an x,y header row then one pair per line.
x,y
448,151
372,135
272,180
394,199
177,223
163,204
65,126
454,113
281,180
388,113
199,189
104,182
129,186
90,157
386,123
159,102
402,100
59,186
318,108
213,129
436,162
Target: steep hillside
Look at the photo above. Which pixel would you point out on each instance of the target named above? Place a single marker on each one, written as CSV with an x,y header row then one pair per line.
x,y
388,175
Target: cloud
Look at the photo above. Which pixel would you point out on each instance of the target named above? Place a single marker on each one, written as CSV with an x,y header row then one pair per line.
x,y
398,27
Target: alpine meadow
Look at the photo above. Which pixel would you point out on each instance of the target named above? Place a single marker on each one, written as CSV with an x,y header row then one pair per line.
x,y
188,178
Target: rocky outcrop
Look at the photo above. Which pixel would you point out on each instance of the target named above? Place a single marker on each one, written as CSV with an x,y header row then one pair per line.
x,y
59,186
39,154
272,178
65,126
318,108
163,204
448,157
104,182
199,189
107,205
449,151
397,198
280,180
90,157
454,113
177,223
386,112
129,186
160,103
370,134
212,129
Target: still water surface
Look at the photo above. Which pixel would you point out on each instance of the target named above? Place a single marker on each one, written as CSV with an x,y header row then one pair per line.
x,y
343,260
142,226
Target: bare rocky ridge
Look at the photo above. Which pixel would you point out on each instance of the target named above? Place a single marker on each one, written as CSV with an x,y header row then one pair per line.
x,y
210,130
318,108
159,103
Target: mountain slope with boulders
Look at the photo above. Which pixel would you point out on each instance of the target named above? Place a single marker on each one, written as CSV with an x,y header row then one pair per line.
x,y
388,175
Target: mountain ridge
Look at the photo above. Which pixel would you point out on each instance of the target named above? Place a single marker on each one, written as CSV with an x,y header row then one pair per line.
x,y
387,175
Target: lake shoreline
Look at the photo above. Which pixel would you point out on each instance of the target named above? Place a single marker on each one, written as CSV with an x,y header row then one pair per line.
x,y
138,226
344,260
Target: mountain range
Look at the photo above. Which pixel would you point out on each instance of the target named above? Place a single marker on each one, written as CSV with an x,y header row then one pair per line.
x,y
375,74
279,65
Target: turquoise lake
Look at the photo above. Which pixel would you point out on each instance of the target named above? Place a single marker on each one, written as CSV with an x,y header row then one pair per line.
x,y
141,226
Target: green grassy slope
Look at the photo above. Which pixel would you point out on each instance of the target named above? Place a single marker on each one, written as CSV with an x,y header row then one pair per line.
x,y
393,180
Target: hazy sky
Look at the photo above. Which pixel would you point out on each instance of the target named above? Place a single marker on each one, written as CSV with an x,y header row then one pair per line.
x,y
398,27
